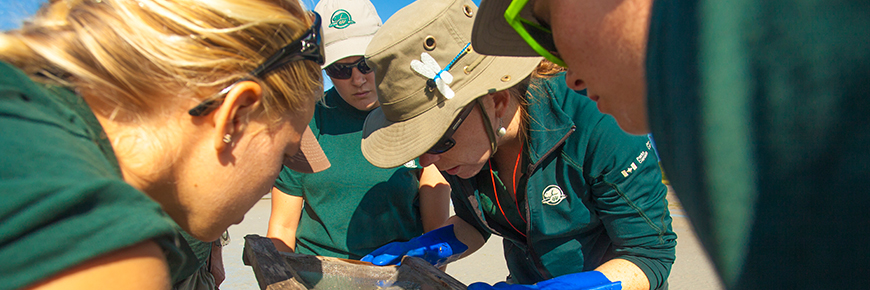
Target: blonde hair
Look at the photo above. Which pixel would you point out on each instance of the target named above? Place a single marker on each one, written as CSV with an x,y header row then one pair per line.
x,y
519,92
136,61
131,60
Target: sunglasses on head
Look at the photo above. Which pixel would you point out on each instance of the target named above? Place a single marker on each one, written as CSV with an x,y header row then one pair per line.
x,y
540,38
446,142
307,47
343,71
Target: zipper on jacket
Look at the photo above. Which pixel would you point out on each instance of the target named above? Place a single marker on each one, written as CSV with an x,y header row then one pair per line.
x,y
524,180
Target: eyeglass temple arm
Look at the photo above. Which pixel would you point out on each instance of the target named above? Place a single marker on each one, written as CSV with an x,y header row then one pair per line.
x,y
489,130
280,58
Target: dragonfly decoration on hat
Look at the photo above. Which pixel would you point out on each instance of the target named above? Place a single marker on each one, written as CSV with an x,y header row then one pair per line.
x,y
437,77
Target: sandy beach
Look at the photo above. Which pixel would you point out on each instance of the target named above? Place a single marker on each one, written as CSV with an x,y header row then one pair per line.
x,y
691,271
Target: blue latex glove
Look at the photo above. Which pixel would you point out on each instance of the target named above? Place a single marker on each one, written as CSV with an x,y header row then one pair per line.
x,y
592,280
437,247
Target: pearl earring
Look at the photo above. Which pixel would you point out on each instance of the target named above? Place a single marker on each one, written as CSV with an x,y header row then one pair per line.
x,y
228,138
501,130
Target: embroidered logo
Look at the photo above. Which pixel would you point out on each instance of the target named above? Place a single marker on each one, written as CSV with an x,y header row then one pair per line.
x,y
340,19
629,170
411,164
640,158
553,195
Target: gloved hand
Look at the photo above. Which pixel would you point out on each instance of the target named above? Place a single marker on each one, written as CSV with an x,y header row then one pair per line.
x,y
437,247
592,280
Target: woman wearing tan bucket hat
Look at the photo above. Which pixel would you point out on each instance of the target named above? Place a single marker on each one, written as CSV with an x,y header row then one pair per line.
x,y
334,212
578,201
119,115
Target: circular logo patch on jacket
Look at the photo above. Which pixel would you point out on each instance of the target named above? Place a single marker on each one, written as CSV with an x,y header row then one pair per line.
x,y
340,19
553,195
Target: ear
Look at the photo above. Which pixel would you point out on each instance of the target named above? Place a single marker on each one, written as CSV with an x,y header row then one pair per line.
x,y
229,118
501,100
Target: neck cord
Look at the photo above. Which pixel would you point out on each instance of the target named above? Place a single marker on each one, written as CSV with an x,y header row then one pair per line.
x,y
495,191
516,202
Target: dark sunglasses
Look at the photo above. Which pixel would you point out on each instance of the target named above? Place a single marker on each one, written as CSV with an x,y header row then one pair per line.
x,y
307,47
343,71
446,142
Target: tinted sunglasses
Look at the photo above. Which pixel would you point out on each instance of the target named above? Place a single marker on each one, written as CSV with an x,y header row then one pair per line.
x,y
540,38
307,47
446,142
343,71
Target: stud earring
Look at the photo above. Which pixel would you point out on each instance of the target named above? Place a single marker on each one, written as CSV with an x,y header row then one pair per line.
x,y
228,138
501,130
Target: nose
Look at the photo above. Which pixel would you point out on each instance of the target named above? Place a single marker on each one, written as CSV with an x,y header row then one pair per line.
x,y
573,80
428,159
357,77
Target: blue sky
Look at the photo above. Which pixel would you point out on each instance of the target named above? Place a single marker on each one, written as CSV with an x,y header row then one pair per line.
x,y
13,12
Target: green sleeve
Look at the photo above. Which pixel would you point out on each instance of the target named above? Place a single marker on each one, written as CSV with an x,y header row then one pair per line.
x,y
289,182
63,206
64,201
198,251
760,111
630,198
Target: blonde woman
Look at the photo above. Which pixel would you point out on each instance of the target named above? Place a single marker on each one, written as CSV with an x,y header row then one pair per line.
x,y
579,203
119,115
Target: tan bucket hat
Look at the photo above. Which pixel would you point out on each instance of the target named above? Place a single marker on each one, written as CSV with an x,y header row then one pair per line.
x,y
492,35
412,117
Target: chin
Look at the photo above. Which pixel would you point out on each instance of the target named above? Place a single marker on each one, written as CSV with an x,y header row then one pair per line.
x,y
633,129
633,126
210,233
468,174
369,106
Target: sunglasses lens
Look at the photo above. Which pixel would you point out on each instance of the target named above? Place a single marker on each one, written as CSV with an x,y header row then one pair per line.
x,y
339,71
344,71
442,146
363,67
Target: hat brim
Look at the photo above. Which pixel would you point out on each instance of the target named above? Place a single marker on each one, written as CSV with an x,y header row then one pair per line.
x,y
352,46
310,158
492,35
388,144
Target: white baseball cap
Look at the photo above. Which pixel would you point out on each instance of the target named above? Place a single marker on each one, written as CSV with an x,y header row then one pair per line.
x,y
348,27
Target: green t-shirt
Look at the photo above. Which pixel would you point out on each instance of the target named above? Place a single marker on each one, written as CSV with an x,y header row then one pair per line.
x,y
761,115
353,207
199,252
64,200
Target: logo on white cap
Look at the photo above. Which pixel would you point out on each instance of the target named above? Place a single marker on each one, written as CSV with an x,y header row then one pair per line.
x,y
340,19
